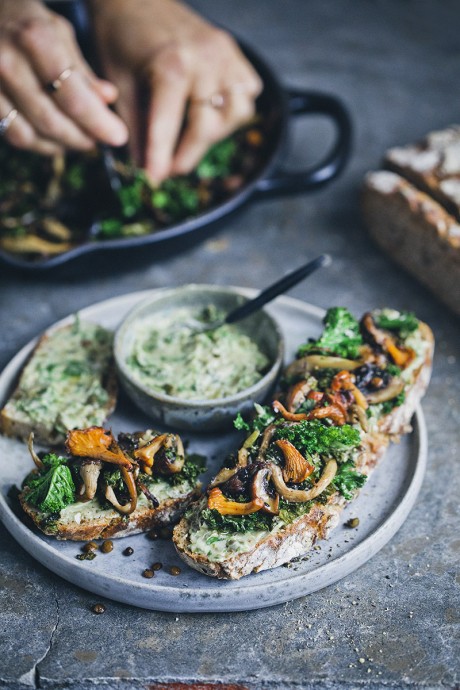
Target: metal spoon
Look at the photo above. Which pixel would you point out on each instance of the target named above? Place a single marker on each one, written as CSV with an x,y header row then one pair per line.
x,y
265,296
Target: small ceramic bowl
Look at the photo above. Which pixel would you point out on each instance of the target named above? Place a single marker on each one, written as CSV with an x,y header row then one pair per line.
x,y
199,415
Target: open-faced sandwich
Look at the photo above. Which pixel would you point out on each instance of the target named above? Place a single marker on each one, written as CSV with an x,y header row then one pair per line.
x,y
69,382
103,487
344,398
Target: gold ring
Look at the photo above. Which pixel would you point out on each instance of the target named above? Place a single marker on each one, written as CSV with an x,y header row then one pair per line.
x,y
217,101
7,121
56,84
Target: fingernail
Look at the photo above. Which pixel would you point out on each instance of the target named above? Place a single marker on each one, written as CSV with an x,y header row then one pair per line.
x,y
109,90
119,134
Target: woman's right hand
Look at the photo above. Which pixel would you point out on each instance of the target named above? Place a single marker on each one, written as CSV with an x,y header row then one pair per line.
x,y
36,46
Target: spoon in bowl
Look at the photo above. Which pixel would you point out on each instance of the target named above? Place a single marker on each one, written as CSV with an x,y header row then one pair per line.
x,y
265,296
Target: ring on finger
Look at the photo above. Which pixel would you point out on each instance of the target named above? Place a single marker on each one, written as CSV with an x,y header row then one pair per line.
x,y
7,121
216,100
56,84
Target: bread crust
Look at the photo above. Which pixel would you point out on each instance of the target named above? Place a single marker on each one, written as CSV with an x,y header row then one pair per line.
x,y
416,231
19,428
296,539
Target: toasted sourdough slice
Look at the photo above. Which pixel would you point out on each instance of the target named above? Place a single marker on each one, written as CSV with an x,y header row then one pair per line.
x,y
69,382
416,231
86,521
254,551
87,495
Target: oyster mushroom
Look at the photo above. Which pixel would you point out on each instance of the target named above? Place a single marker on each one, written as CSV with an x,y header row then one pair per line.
x,y
30,446
298,495
110,495
260,491
305,365
297,468
394,388
89,472
171,456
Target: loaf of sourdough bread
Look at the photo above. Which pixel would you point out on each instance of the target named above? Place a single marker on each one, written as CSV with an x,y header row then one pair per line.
x,y
412,211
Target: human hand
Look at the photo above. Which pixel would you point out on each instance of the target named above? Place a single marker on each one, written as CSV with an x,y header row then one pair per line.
x,y
36,48
189,71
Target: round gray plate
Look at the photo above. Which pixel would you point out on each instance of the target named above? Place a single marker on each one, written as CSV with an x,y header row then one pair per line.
x,y
382,506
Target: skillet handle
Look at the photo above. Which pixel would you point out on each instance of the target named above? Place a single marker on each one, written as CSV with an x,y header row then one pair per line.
x,y
284,182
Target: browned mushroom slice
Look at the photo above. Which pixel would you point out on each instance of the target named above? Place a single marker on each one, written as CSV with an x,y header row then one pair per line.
x,y
171,456
127,508
32,244
394,388
89,472
146,453
260,490
225,506
298,495
228,472
98,444
297,468
345,381
400,355
266,438
297,394
305,365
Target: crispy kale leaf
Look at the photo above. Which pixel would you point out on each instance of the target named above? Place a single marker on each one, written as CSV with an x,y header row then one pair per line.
x,y
194,465
341,335
52,489
237,523
289,512
403,323
314,437
263,417
348,480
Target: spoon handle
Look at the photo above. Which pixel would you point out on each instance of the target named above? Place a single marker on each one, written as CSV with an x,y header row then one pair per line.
x,y
277,288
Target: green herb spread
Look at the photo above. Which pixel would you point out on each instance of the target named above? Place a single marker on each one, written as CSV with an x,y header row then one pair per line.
x,y
62,386
167,356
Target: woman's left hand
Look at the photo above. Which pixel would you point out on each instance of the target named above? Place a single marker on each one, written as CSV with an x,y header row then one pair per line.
x,y
183,83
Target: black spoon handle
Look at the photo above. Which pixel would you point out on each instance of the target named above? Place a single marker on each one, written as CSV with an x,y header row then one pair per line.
x,y
277,288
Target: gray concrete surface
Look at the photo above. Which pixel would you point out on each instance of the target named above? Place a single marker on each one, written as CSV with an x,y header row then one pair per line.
x,y
396,64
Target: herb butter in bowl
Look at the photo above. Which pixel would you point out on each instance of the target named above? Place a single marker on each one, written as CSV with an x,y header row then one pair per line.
x,y
196,380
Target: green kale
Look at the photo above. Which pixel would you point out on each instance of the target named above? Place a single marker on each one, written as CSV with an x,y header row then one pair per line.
x,y
341,335
289,512
393,369
52,488
403,324
314,437
110,227
237,523
194,465
218,160
264,417
347,480
324,378
131,194
389,405
113,478
177,196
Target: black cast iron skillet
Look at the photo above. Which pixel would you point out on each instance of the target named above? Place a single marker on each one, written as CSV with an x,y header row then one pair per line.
x,y
277,105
